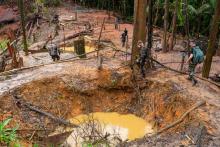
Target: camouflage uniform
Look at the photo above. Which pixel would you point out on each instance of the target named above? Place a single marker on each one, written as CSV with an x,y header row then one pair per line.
x,y
123,39
142,60
54,51
192,67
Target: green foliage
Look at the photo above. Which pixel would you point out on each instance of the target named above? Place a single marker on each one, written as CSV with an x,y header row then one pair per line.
x,y
199,12
52,2
35,145
180,14
17,145
98,144
3,44
129,18
212,3
122,7
7,135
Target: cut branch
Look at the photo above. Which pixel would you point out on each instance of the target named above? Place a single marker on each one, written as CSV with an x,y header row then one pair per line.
x,y
33,108
181,118
41,45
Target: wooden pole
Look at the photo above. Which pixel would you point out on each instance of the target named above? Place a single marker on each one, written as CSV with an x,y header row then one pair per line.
x,y
186,25
76,15
139,32
100,35
164,42
21,7
181,118
64,39
174,23
150,29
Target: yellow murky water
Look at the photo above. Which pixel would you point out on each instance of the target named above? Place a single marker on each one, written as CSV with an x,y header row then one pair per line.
x,y
71,49
131,126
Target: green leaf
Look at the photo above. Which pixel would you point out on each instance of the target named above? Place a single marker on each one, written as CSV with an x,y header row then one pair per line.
x,y
3,44
192,10
7,135
17,145
180,14
213,3
4,123
35,145
205,8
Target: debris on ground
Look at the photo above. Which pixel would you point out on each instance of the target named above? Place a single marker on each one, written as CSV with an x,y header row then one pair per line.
x,y
44,96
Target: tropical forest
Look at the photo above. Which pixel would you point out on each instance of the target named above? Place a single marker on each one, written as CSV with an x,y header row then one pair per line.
x,y
109,73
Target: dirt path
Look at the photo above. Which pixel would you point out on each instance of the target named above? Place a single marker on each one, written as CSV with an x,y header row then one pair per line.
x,y
73,68
26,76
203,91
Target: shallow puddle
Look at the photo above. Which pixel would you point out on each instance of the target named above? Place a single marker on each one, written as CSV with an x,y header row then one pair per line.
x,y
127,127
72,49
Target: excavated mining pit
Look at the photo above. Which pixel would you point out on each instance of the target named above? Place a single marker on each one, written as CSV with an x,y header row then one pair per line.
x,y
69,96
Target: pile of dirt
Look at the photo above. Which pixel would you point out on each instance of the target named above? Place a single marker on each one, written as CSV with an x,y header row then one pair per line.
x,y
162,103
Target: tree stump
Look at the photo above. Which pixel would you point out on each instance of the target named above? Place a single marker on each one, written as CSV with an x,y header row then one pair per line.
x,y
2,63
79,46
100,61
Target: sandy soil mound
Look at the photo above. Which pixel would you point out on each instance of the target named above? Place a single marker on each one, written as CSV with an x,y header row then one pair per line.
x,y
70,96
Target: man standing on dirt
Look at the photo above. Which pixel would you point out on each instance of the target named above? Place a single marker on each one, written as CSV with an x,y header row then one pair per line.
x,y
126,34
54,51
116,22
143,55
196,57
123,39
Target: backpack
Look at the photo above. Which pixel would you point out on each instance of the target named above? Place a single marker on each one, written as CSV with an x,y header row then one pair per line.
x,y
198,55
53,50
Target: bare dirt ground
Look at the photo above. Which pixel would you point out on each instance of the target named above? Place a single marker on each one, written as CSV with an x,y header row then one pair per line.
x,y
7,15
72,88
82,89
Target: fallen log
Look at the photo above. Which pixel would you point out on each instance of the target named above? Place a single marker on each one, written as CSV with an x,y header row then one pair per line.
x,y
37,51
72,59
35,109
183,73
180,119
41,45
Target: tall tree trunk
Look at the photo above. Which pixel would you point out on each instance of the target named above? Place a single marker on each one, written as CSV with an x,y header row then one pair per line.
x,y
186,25
150,27
139,32
164,41
173,35
21,7
198,22
157,14
212,41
